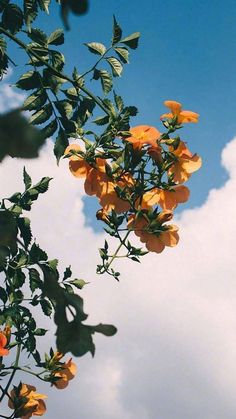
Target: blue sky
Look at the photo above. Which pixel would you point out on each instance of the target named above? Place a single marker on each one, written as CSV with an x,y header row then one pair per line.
x,y
174,355
187,53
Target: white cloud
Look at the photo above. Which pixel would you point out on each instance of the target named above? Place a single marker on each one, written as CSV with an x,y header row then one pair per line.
x,y
9,98
174,354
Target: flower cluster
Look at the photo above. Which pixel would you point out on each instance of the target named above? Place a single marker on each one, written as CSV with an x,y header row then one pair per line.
x,y
147,189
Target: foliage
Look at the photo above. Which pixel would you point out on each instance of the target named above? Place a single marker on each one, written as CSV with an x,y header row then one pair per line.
x,y
137,174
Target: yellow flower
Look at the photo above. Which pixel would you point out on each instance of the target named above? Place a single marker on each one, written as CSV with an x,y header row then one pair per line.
x,y
167,199
143,134
65,374
185,163
183,117
26,402
155,241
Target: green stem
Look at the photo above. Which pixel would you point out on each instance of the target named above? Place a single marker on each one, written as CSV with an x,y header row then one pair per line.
x,y
117,250
95,65
54,71
15,367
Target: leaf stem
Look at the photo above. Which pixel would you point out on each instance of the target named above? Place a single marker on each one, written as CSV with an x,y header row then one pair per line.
x,y
54,71
15,368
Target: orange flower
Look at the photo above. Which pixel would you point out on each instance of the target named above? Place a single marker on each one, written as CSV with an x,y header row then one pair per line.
x,y
26,402
3,343
155,153
154,241
109,198
167,199
96,178
185,164
183,117
143,134
78,166
67,373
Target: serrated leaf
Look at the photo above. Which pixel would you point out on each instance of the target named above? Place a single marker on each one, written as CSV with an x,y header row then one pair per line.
x,y
34,279
96,48
30,12
60,144
25,230
36,254
43,184
132,40
64,107
117,32
44,4
123,54
42,116
38,36
50,129
67,273
106,81
57,60
35,101
119,102
101,120
46,307
27,179
12,18
29,80
131,110
56,37
116,66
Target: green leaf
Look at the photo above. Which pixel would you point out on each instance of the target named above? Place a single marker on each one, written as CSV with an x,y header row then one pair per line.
x,y
123,54
42,116
132,40
101,120
78,283
57,60
131,110
3,57
12,18
40,332
106,81
8,229
64,107
60,144
96,48
27,179
4,254
34,280
46,307
3,295
25,230
56,37
44,4
119,102
3,4
117,32
43,185
35,101
67,273
50,129
36,254
29,80
30,12
38,36
105,329
116,66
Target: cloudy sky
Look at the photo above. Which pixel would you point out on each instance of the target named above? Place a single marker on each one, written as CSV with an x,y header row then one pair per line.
x,y
174,356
